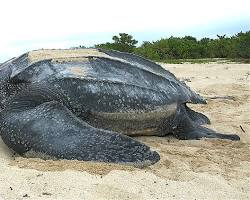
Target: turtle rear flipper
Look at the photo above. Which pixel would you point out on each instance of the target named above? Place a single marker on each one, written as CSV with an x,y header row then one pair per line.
x,y
197,117
199,132
52,129
187,129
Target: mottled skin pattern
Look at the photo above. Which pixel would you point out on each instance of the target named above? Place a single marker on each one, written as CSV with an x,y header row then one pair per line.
x,y
82,107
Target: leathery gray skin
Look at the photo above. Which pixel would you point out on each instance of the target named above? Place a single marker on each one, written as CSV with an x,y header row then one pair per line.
x,y
85,109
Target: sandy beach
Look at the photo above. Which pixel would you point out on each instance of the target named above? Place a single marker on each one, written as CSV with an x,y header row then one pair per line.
x,y
205,169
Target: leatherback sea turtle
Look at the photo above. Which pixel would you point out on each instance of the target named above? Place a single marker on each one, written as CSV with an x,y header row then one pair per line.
x,y
81,103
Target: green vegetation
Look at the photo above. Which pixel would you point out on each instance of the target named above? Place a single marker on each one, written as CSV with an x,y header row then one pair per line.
x,y
207,60
186,49
124,42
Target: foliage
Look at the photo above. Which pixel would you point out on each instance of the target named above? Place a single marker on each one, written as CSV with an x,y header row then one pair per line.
x,y
243,45
188,47
124,42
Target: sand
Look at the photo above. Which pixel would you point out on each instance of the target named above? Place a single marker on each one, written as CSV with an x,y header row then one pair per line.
x,y
62,54
205,169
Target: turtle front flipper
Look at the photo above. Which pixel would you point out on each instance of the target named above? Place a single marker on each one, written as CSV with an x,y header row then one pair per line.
x,y
50,128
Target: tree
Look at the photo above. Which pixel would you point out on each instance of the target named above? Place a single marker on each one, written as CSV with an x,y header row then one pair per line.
x,y
221,47
123,42
205,47
148,50
191,38
243,45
